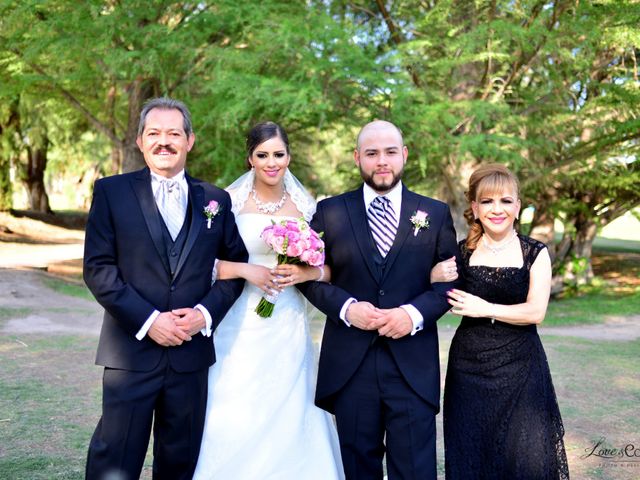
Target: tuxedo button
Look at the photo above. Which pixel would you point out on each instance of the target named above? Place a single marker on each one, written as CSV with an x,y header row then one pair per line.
x,y
173,288
381,292
173,253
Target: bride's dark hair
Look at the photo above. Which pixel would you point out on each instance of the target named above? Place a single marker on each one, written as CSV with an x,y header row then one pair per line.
x,y
262,132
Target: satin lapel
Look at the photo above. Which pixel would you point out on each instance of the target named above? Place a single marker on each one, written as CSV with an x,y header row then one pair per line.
x,y
142,187
410,204
358,218
196,198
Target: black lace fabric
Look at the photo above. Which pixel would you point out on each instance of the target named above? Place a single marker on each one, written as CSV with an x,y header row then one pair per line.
x,y
501,416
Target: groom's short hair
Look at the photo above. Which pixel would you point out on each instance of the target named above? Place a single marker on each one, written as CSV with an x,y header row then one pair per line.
x,y
166,103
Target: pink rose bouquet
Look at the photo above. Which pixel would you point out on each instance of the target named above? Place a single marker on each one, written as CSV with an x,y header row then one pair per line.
x,y
294,241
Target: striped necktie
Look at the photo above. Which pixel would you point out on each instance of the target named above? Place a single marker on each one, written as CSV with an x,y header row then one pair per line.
x,y
383,223
172,207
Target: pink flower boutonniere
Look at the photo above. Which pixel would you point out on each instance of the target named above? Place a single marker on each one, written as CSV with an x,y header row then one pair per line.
x,y
419,220
210,211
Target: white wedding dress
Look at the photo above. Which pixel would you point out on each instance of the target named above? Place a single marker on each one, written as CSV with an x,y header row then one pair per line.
x,y
261,422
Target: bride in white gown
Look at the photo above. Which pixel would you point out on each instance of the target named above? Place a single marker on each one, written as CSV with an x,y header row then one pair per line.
x,y
261,422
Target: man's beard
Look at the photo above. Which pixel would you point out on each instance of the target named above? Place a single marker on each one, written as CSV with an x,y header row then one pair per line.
x,y
379,186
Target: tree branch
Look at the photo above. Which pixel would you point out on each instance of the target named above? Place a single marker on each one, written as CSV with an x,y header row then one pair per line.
x,y
396,37
73,101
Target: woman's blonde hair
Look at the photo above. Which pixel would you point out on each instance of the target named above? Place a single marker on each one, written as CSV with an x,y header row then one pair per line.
x,y
486,180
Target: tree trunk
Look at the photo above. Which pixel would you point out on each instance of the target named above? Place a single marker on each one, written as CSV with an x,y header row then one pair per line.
x,y
7,154
573,254
34,177
85,184
6,192
139,92
453,193
116,160
543,228
586,230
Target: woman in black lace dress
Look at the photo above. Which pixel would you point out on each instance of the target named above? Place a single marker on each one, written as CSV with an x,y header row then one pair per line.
x,y
501,417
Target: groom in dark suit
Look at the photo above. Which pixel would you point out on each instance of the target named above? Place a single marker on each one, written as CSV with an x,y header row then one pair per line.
x,y
149,253
379,368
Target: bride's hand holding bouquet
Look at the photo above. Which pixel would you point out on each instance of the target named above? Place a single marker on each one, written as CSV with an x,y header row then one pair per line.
x,y
296,245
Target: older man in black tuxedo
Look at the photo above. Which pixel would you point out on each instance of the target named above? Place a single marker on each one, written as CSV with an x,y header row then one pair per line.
x,y
379,368
149,253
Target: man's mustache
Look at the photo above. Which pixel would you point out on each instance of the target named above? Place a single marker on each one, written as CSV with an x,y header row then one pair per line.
x,y
167,148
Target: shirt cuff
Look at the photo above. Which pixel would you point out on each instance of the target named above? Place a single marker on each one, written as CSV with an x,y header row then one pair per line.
x,y
214,273
147,325
343,311
416,317
206,331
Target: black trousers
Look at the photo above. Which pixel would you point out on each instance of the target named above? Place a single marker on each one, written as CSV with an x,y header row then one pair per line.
x,y
174,403
378,411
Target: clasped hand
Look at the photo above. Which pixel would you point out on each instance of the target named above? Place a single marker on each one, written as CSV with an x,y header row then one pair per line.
x,y
393,323
171,329
278,278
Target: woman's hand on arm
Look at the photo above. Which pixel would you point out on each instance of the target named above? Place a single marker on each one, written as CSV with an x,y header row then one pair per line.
x,y
444,271
530,312
290,274
257,275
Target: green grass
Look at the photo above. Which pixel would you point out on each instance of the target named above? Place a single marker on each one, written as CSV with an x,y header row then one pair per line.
x,y
602,244
598,392
14,312
49,396
67,288
591,308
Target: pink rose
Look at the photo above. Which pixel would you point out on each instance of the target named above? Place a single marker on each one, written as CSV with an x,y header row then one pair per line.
x,y
292,225
421,216
316,259
304,256
293,249
293,236
279,230
277,244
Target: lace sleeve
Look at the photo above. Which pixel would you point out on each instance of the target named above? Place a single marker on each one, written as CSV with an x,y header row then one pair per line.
x,y
531,250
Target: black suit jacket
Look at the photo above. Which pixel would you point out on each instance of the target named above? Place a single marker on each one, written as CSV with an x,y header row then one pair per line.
x,y
126,269
350,253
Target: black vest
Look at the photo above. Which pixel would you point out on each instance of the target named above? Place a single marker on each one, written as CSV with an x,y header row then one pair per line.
x,y
173,248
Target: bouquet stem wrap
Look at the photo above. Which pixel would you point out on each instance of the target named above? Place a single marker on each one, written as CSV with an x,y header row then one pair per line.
x,y
267,303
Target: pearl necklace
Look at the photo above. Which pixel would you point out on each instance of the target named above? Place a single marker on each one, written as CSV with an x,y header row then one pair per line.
x,y
268,207
501,246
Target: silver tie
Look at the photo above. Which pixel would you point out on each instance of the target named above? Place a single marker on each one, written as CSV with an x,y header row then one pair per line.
x,y
383,224
172,206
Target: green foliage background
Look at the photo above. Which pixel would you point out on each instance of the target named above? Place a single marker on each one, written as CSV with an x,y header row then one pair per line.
x,y
550,88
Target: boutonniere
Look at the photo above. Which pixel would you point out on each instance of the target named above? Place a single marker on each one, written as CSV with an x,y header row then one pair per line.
x,y
210,211
419,220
